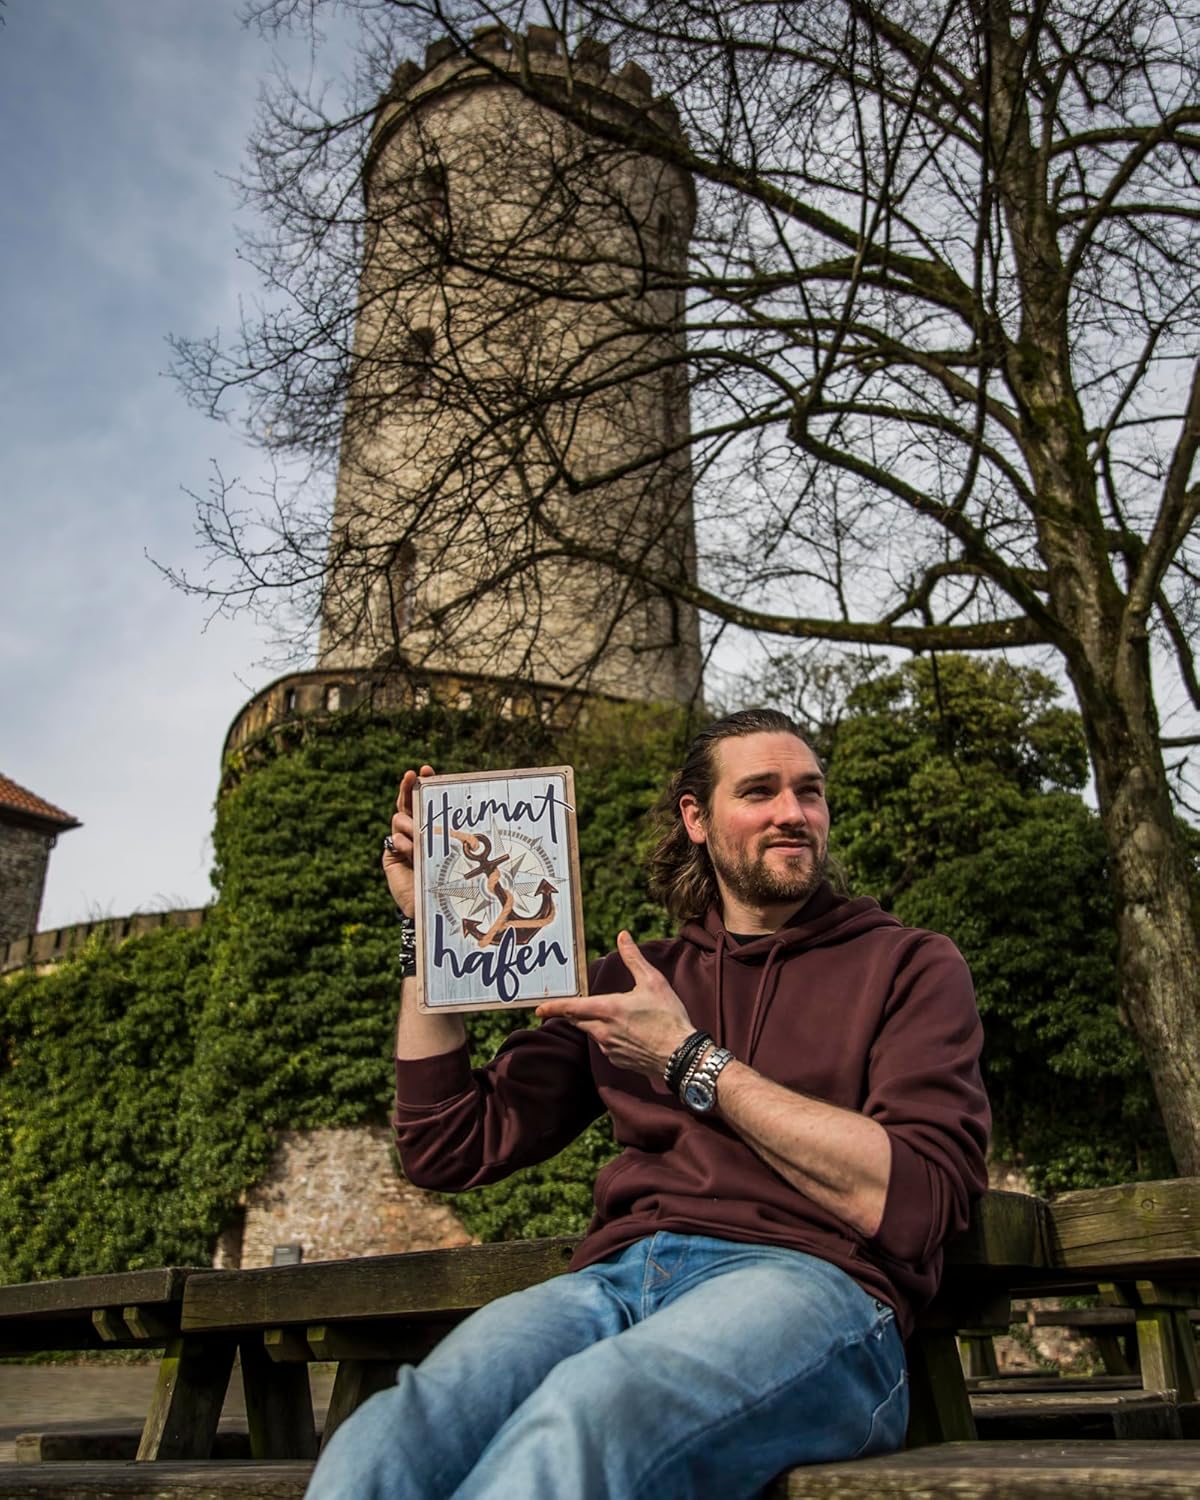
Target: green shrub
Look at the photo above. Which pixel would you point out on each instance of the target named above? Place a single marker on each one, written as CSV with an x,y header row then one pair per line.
x,y
143,1088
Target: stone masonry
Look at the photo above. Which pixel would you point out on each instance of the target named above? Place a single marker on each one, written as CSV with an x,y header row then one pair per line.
x,y
29,829
336,1193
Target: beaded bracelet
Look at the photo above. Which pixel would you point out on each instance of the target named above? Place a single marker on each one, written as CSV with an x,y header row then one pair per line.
x,y
408,946
681,1059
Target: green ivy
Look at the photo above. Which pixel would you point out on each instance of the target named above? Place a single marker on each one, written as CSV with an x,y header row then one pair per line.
x,y
91,1140
144,1088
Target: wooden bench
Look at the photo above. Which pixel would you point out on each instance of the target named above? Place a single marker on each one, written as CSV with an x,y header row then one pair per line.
x,y
141,1310
1114,1325
951,1471
368,1315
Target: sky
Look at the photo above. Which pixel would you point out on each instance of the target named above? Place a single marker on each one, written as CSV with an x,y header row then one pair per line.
x,y
121,121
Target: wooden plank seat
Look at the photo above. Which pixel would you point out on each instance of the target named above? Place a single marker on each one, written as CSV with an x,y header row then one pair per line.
x,y
1012,1415
1034,1415
370,1314
951,1471
166,1480
1006,1471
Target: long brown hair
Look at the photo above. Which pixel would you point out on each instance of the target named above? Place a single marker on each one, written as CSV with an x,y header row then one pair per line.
x,y
681,873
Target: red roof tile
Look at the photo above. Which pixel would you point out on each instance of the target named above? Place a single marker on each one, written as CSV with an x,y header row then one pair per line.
x,y
16,799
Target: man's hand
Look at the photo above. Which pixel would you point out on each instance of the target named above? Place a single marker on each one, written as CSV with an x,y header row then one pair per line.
x,y
398,860
638,1029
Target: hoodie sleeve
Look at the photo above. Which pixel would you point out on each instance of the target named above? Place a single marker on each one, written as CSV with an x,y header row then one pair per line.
x,y
924,1087
457,1127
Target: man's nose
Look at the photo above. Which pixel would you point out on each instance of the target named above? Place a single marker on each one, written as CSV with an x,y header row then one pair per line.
x,y
789,809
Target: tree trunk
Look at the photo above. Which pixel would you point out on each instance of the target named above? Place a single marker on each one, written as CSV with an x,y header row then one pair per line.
x,y
1159,953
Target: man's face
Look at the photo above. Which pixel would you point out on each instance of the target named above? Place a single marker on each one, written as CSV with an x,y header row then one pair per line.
x,y
768,827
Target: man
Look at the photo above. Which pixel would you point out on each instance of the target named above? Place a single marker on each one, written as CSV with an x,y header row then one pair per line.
x,y
762,1243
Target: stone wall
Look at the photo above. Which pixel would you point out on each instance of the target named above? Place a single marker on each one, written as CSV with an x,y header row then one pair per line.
x,y
42,949
24,855
336,1194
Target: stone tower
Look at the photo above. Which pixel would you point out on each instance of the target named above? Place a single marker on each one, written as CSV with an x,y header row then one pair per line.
x,y
29,829
518,402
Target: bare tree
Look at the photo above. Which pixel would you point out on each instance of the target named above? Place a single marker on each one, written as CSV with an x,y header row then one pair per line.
x,y
938,324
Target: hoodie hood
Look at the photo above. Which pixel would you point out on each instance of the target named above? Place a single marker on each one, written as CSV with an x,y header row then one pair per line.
x,y
824,920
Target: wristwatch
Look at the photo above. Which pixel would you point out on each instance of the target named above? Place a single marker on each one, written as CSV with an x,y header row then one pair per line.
x,y
700,1091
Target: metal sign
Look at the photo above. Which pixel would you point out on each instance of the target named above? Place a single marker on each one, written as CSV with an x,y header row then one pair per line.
x,y
499,919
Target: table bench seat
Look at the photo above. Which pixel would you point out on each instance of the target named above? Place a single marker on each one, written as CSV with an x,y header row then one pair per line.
x,y
1089,1470
372,1313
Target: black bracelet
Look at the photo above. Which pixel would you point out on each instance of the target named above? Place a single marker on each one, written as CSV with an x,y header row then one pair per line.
x,y
408,946
681,1059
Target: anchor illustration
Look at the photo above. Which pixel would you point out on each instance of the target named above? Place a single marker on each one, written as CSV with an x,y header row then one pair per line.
x,y
477,847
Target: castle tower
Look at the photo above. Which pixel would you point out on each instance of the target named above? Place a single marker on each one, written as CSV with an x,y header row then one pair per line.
x,y
29,829
518,404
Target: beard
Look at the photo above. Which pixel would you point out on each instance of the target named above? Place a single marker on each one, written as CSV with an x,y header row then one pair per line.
x,y
755,883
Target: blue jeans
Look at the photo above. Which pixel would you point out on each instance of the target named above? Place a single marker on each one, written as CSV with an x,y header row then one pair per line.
x,y
682,1367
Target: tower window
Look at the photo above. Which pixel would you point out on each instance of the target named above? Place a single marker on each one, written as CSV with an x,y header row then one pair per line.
x,y
398,588
433,200
418,360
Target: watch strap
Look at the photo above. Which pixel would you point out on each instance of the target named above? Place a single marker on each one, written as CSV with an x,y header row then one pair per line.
x,y
705,1076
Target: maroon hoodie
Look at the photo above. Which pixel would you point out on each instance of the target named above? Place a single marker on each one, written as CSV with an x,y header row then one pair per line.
x,y
843,1003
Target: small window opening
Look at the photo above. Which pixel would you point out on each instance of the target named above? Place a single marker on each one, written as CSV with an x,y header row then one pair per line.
x,y
433,200
418,360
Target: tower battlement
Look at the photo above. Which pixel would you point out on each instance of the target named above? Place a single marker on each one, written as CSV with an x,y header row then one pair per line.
x,y
540,51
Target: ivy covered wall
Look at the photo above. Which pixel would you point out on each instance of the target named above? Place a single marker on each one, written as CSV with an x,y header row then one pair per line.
x,y
142,1088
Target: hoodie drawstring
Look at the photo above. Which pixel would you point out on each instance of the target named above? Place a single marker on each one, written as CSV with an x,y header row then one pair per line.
x,y
761,998
720,1009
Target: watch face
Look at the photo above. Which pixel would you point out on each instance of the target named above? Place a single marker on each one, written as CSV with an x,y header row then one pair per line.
x,y
698,1094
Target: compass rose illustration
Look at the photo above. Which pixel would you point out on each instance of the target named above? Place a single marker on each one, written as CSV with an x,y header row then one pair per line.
x,y
496,882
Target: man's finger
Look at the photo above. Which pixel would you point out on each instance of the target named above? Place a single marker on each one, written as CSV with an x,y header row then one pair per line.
x,y
408,782
631,957
591,1008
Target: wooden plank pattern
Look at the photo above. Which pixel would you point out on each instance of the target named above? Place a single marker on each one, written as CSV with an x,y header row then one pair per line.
x,y
1003,1470
80,1294
1005,1240
1007,1236
428,1281
1147,1229
228,1480
1107,1414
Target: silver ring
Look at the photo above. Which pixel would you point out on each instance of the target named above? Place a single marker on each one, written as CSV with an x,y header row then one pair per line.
x,y
388,845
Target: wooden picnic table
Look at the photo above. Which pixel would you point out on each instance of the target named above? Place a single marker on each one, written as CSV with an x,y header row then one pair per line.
x,y
371,1314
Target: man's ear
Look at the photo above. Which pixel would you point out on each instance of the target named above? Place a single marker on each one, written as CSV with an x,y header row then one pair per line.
x,y
693,818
